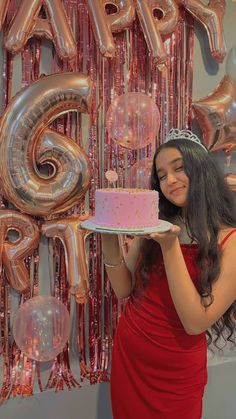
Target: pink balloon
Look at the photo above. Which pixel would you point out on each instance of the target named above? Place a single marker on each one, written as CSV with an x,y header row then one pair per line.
x,y
139,174
41,327
133,120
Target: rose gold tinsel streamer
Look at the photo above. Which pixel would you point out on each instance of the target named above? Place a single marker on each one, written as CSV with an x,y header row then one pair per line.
x,y
18,373
130,70
8,59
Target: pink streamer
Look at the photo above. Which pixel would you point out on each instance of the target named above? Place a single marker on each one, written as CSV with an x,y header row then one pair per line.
x,y
130,70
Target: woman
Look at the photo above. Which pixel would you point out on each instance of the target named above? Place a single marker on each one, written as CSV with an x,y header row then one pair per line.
x,y
185,283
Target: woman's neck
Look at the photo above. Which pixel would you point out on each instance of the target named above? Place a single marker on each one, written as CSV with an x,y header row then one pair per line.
x,y
183,236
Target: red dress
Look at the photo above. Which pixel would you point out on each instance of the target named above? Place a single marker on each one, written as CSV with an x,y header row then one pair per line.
x,y
158,370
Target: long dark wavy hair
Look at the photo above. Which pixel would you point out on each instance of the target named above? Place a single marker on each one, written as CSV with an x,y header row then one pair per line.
x,y
210,205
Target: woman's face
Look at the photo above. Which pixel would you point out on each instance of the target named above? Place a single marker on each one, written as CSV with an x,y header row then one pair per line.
x,y
174,183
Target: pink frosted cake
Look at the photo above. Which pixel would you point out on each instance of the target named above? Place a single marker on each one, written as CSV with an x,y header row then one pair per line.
x,y
126,208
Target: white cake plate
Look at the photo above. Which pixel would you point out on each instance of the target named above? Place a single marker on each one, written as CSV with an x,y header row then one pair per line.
x,y
162,227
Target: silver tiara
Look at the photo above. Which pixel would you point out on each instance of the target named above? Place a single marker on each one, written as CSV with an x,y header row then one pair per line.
x,y
186,134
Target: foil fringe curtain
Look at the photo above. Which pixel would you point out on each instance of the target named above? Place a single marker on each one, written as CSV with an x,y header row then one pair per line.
x,y
87,355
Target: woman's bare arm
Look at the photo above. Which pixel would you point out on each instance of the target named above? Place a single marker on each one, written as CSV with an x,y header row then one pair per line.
x,y
194,316
120,274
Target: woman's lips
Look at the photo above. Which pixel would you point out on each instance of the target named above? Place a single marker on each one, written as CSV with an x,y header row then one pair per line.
x,y
177,190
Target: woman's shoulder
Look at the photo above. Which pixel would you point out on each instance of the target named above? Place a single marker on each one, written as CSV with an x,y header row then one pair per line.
x,y
227,234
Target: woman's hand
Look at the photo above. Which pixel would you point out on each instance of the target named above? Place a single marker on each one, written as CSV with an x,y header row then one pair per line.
x,y
167,238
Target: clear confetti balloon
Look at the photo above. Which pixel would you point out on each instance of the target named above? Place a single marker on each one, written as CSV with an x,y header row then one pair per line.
x,y
140,173
41,327
133,120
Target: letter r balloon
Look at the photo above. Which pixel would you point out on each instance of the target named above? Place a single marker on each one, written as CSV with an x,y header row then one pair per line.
x,y
13,253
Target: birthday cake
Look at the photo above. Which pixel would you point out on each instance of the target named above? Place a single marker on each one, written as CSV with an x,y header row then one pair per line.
x,y
120,208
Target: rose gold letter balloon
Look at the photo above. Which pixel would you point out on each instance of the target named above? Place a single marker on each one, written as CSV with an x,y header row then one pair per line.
x,y
104,25
153,29
73,239
211,16
41,327
216,115
26,24
14,253
3,11
133,120
24,138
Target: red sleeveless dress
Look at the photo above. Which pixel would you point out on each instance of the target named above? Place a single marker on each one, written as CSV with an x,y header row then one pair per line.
x,y
158,370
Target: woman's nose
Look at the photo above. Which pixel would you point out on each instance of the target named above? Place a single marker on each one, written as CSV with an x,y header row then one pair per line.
x,y
171,178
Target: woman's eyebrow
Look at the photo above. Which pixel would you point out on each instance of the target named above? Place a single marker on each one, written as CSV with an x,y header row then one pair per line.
x,y
171,162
